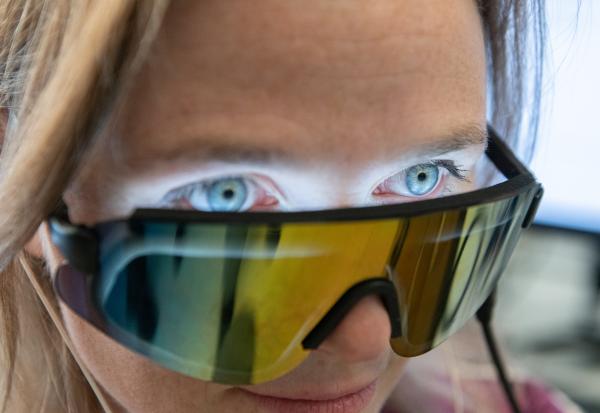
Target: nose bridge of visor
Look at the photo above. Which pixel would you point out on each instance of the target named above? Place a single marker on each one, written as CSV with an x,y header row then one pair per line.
x,y
378,286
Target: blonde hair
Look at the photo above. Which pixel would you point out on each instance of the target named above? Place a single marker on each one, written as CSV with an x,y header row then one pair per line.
x,y
64,65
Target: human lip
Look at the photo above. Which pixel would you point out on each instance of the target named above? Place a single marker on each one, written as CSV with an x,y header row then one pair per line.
x,y
344,402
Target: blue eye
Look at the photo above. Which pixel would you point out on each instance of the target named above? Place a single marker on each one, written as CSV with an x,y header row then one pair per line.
x,y
228,194
422,179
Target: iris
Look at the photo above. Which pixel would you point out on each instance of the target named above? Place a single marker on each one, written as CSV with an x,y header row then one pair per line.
x,y
228,194
422,179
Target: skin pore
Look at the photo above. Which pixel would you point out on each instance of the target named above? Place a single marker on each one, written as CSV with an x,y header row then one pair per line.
x,y
315,104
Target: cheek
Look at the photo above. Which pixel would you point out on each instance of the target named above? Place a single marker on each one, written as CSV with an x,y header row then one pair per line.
x,y
135,384
133,381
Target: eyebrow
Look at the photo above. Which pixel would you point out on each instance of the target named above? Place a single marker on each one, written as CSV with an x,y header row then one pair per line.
x,y
222,148
462,137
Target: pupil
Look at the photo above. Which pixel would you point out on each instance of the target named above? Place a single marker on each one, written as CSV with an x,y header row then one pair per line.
x,y
422,176
228,193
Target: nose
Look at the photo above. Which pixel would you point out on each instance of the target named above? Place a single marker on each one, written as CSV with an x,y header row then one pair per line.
x,y
362,335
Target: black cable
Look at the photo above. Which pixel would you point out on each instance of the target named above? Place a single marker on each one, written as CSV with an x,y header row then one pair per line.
x,y
484,315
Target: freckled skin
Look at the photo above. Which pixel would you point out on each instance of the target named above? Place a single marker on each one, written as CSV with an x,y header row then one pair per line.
x,y
344,84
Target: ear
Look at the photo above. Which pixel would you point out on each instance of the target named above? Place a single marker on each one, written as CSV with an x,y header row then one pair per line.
x,y
34,245
41,246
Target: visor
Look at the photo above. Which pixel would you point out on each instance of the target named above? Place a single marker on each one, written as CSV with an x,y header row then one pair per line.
x,y
242,298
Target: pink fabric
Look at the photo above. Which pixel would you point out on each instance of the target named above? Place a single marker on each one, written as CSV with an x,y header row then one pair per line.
x,y
457,377
478,396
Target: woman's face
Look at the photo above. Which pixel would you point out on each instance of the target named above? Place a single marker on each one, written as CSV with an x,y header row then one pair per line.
x,y
276,104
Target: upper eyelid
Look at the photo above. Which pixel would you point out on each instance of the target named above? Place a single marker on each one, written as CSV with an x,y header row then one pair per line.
x,y
256,178
455,170
271,186
262,180
244,168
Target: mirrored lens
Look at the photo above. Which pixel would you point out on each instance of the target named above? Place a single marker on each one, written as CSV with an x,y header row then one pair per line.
x,y
232,303
446,264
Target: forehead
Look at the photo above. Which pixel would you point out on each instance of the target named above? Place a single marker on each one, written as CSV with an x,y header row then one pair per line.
x,y
351,79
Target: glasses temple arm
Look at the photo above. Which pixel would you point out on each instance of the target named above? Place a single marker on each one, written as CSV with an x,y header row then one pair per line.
x,y
484,315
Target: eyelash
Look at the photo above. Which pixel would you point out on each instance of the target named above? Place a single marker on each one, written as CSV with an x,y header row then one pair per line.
x,y
179,197
454,170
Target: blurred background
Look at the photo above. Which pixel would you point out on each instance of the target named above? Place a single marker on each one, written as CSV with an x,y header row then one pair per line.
x,y
549,301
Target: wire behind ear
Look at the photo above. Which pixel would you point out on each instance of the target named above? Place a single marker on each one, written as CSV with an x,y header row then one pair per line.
x,y
484,315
